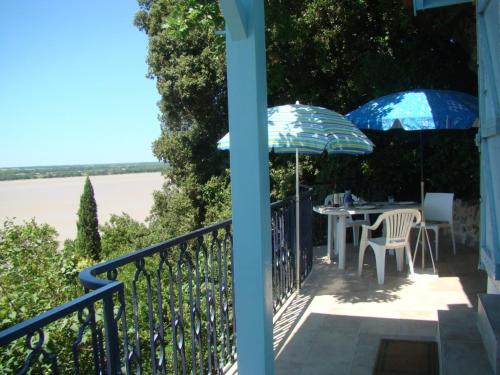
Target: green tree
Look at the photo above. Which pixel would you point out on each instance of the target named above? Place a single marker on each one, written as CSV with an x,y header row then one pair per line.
x,y
30,281
36,276
122,235
186,57
337,54
88,240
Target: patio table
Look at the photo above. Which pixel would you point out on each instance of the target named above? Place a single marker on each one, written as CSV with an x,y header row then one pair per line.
x,y
337,217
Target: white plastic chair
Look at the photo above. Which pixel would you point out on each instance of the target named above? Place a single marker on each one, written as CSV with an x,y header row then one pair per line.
x,y
350,222
438,213
397,226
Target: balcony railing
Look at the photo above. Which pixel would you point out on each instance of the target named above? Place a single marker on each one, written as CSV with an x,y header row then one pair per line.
x,y
33,342
167,308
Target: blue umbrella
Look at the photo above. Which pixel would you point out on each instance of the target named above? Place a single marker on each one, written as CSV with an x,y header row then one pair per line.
x,y
309,129
418,110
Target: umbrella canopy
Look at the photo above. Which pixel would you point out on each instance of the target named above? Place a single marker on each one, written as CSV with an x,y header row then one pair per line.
x,y
310,130
418,110
297,128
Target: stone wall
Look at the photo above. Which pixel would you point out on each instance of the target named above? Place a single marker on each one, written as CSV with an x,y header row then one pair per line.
x,y
466,223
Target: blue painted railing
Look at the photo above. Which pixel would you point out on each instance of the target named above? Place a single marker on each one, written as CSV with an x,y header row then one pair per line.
x,y
283,239
29,342
176,297
179,298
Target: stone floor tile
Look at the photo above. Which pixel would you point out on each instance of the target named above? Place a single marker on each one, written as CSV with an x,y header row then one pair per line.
x,y
380,326
366,350
339,328
288,367
336,369
333,347
459,325
463,357
417,314
422,328
361,370
340,324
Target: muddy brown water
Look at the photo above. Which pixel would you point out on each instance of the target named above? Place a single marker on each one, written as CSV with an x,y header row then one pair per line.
x,y
55,201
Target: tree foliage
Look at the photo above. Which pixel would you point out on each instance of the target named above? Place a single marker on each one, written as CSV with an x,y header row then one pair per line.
x,y
337,54
35,276
88,240
187,59
122,234
30,272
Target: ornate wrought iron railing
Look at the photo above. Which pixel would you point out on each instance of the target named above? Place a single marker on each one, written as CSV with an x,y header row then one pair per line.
x,y
306,233
177,298
284,245
32,344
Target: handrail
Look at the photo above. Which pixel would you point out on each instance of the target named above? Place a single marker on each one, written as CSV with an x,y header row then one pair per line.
x,y
101,359
308,191
209,271
208,283
88,276
47,317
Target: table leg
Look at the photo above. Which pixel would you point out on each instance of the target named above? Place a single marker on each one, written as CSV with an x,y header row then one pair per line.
x,y
329,242
340,240
334,232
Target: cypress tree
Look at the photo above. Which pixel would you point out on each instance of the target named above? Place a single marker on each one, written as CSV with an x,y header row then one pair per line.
x,y
88,240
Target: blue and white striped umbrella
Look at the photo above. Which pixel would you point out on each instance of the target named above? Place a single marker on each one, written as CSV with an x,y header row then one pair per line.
x,y
305,129
418,110
310,130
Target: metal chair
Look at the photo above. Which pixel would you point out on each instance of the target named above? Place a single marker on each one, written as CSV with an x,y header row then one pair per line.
x,y
397,226
438,214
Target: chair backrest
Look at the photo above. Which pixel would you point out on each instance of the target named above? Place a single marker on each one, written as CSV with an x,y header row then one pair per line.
x,y
438,207
329,200
398,224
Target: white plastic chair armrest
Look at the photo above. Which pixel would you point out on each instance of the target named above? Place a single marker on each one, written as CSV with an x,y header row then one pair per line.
x,y
375,225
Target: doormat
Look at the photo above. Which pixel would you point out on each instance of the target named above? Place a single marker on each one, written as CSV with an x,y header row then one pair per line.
x,y
403,357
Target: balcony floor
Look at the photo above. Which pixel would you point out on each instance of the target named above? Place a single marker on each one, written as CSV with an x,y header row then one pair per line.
x,y
336,322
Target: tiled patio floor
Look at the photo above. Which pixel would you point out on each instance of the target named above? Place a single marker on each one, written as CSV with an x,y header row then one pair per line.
x,y
336,322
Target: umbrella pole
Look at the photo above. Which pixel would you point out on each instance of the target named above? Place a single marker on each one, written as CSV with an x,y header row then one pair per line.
x,y
421,172
297,219
423,228
422,224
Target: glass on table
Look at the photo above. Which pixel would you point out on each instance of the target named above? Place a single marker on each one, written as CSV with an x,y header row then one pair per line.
x,y
390,199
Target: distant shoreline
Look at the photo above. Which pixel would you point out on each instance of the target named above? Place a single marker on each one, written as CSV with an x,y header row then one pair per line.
x,y
38,172
55,201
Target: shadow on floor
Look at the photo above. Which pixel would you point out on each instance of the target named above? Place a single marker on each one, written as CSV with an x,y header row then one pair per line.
x,y
347,286
336,323
339,344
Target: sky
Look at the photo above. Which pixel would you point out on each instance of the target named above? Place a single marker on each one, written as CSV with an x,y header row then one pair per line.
x,y
73,86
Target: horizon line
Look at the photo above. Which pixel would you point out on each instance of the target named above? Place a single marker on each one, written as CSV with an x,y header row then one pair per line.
x,y
82,165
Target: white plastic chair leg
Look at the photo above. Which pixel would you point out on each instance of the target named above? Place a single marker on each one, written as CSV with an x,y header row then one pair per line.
x,y
355,235
362,249
380,262
408,256
399,259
